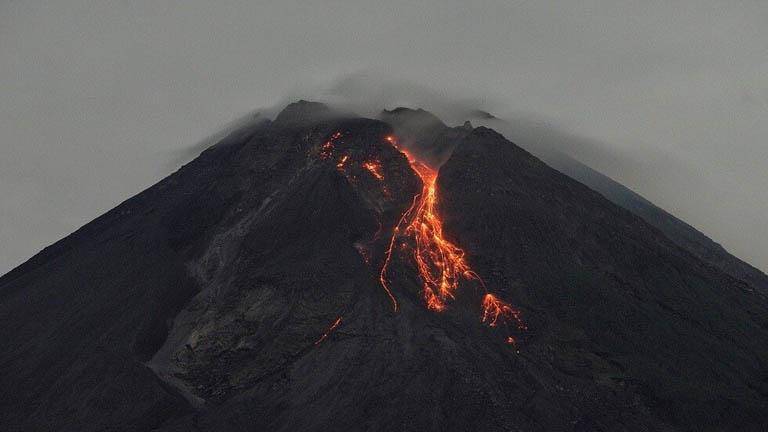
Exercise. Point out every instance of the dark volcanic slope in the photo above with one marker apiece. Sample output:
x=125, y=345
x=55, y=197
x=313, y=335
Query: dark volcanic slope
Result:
x=613, y=299
x=548, y=144
x=202, y=303
x=678, y=231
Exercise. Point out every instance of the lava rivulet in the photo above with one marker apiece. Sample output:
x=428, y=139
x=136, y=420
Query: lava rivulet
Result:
x=329, y=331
x=495, y=309
x=327, y=149
x=440, y=263
x=374, y=167
x=342, y=161
x=419, y=232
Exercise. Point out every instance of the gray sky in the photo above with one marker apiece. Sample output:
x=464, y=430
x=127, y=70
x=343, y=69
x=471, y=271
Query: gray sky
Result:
x=99, y=98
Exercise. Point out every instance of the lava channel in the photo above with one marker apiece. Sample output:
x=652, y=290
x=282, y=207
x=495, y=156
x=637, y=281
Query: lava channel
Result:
x=329, y=331
x=440, y=263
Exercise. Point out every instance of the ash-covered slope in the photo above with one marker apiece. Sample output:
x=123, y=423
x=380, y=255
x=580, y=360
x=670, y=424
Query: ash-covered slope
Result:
x=550, y=145
x=612, y=300
x=244, y=293
x=677, y=230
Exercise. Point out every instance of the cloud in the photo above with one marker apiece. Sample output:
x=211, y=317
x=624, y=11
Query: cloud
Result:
x=99, y=99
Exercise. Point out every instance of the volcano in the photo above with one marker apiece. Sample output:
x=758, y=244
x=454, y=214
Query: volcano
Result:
x=326, y=272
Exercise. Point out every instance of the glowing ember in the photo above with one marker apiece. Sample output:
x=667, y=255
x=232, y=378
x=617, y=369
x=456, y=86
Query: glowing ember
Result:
x=374, y=167
x=342, y=161
x=329, y=331
x=363, y=251
x=495, y=309
x=327, y=149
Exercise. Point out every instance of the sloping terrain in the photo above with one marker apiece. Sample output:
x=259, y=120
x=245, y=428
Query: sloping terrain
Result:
x=552, y=146
x=245, y=292
x=618, y=302
x=678, y=231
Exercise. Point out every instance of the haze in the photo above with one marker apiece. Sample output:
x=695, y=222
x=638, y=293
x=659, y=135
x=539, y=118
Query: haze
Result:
x=102, y=99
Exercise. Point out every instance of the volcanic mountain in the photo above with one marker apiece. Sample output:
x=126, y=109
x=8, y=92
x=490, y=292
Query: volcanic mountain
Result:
x=324, y=272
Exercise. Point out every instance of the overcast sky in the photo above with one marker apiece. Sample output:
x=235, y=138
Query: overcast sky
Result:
x=99, y=98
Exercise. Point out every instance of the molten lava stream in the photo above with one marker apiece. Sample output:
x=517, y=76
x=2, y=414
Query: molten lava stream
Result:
x=440, y=263
x=329, y=331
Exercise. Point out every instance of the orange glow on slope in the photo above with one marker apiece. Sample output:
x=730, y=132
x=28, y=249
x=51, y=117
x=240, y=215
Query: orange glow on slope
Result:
x=388, y=254
x=374, y=167
x=342, y=161
x=327, y=149
x=495, y=309
x=441, y=264
x=329, y=331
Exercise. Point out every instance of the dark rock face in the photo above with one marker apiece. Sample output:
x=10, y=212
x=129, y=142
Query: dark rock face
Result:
x=549, y=144
x=619, y=304
x=422, y=133
x=684, y=235
x=242, y=293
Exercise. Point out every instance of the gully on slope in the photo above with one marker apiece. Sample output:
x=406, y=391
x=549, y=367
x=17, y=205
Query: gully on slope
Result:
x=441, y=264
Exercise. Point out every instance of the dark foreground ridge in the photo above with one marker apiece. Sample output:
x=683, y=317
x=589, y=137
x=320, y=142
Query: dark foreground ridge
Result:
x=243, y=293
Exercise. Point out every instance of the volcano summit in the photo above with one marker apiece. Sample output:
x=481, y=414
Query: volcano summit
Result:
x=324, y=272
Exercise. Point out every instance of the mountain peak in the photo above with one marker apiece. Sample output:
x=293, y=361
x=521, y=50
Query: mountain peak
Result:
x=338, y=279
x=302, y=112
x=481, y=114
x=412, y=118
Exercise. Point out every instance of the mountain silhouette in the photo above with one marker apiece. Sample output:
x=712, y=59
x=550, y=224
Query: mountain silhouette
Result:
x=324, y=272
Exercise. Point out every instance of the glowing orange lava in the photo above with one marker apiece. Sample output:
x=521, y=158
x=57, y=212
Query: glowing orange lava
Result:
x=495, y=309
x=440, y=263
x=419, y=231
x=327, y=149
x=342, y=161
x=374, y=167
x=388, y=254
x=329, y=331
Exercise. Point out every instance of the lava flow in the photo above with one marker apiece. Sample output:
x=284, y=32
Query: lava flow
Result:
x=329, y=331
x=374, y=167
x=495, y=309
x=327, y=149
x=440, y=263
